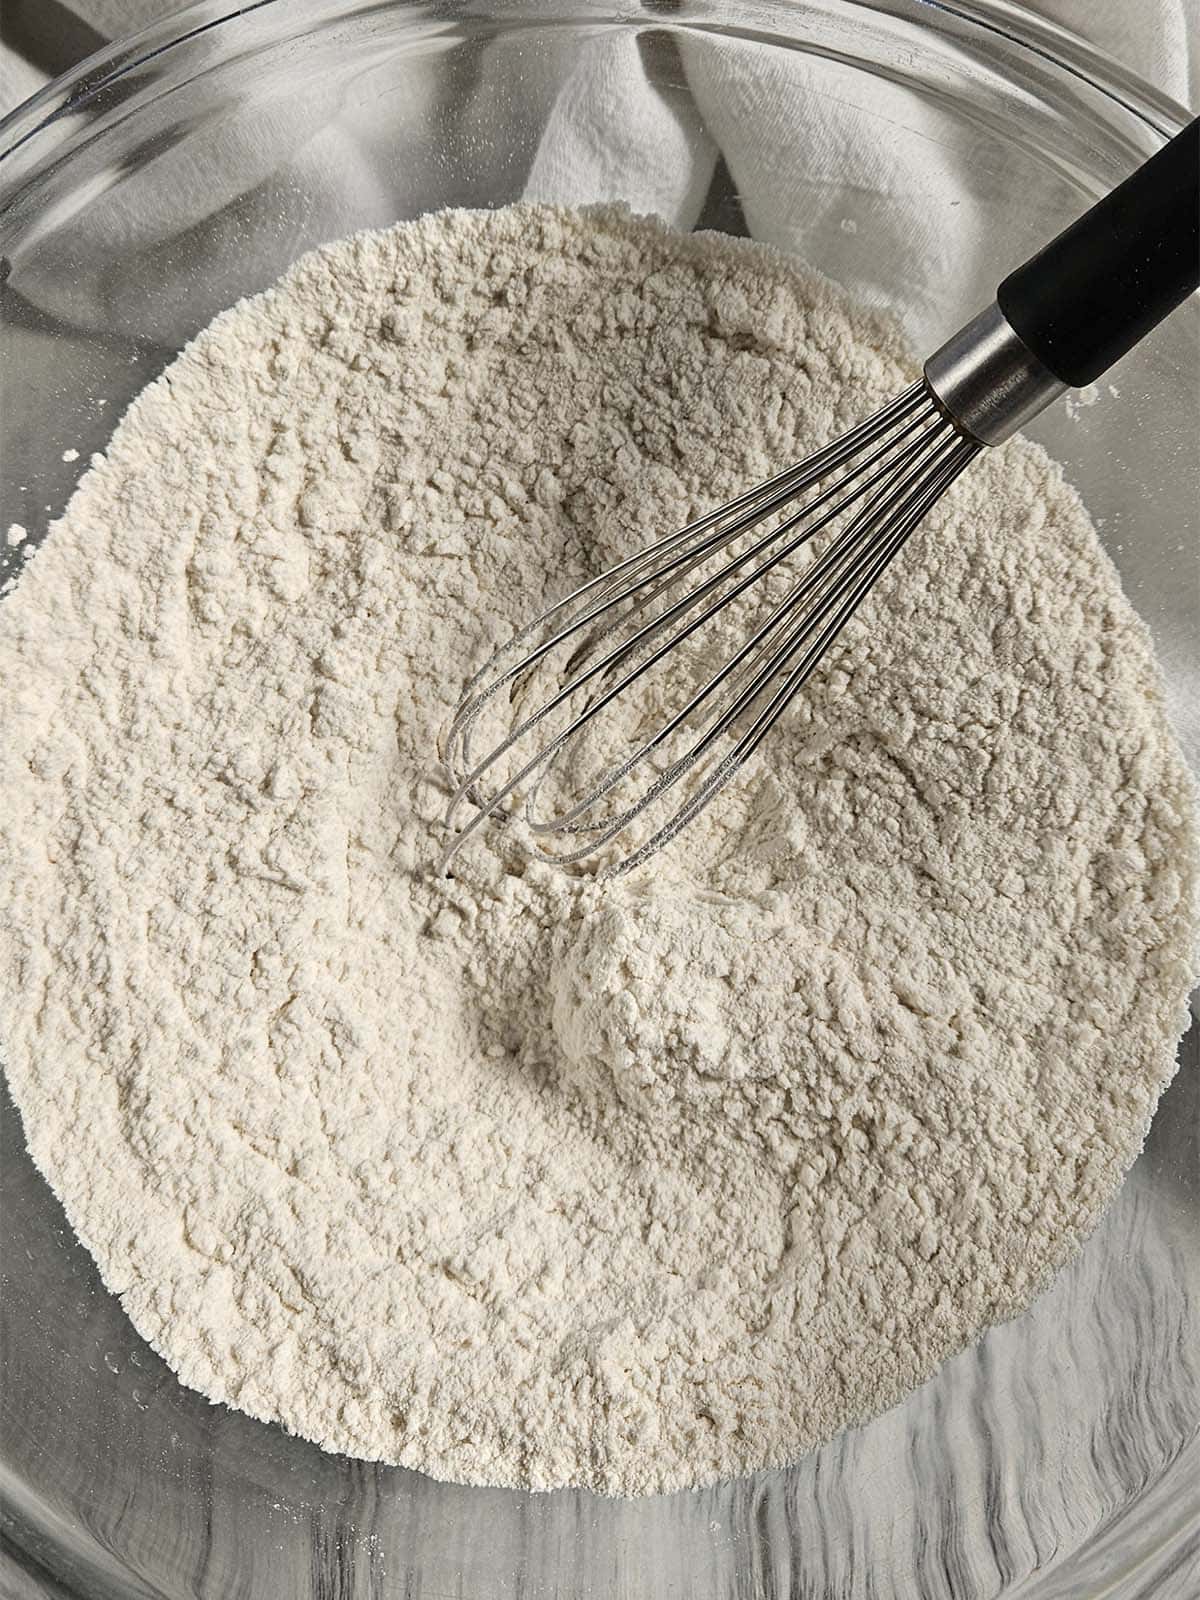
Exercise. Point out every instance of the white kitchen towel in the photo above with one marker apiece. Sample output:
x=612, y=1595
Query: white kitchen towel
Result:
x=593, y=121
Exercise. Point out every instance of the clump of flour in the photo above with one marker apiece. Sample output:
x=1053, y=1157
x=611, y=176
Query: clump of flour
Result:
x=522, y=1178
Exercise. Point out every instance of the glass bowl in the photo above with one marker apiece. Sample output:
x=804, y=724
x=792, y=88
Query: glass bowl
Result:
x=190, y=165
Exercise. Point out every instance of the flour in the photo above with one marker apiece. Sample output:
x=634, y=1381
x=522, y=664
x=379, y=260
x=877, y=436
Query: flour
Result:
x=522, y=1178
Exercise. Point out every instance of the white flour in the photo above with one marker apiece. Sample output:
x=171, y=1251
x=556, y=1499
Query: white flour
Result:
x=518, y=1178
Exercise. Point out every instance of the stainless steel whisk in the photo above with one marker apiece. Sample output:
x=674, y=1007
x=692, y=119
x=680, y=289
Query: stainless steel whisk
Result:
x=566, y=687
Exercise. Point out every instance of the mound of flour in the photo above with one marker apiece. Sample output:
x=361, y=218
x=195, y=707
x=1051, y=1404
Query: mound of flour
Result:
x=521, y=1178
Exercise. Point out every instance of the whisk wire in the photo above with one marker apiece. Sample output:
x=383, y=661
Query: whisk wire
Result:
x=664, y=579
x=682, y=566
x=850, y=590
x=758, y=502
x=886, y=474
x=467, y=787
x=749, y=742
x=739, y=666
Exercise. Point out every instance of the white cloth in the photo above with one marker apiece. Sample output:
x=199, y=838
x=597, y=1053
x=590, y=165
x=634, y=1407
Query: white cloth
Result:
x=590, y=125
x=592, y=122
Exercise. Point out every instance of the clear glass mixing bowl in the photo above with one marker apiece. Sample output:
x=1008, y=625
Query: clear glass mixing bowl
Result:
x=189, y=166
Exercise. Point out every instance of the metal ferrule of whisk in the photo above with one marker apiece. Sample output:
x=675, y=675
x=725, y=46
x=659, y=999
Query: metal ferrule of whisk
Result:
x=988, y=380
x=613, y=718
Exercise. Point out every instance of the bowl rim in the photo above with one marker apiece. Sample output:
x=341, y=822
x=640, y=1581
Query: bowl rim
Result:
x=1048, y=43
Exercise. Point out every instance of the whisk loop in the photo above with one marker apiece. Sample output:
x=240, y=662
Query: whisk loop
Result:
x=612, y=652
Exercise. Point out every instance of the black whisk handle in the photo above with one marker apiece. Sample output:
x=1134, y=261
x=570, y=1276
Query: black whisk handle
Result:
x=1105, y=281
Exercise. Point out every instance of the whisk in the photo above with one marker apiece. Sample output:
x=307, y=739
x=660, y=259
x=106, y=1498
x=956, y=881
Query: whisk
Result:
x=624, y=708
